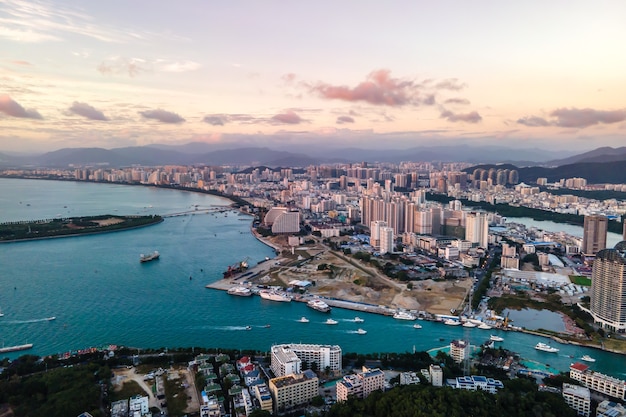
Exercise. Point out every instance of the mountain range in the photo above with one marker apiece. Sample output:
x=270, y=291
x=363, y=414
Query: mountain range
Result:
x=603, y=164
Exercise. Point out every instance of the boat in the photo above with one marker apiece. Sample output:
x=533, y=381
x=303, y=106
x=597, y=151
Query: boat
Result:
x=546, y=348
x=274, y=296
x=484, y=326
x=331, y=321
x=240, y=291
x=303, y=320
x=452, y=322
x=403, y=315
x=1, y=313
x=150, y=257
x=319, y=305
x=237, y=268
x=15, y=348
x=495, y=338
x=587, y=358
x=417, y=326
x=248, y=327
x=358, y=320
x=361, y=331
x=469, y=324
x=50, y=318
x=267, y=326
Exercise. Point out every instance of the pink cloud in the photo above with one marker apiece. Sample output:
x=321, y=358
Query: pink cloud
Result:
x=12, y=108
x=289, y=117
x=85, y=110
x=575, y=118
x=379, y=89
x=344, y=119
x=289, y=78
x=162, y=116
x=472, y=117
x=450, y=84
x=457, y=100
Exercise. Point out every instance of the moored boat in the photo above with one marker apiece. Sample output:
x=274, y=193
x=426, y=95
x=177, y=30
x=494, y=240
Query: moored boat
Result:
x=240, y=291
x=469, y=324
x=319, y=305
x=484, y=326
x=274, y=296
x=403, y=315
x=452, y=322
x=546, y=348
x=149, y=257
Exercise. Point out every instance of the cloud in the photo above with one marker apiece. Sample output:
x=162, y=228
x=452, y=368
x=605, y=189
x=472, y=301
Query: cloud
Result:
x=457, y=100
x=85, y=110
x=533, y=121
x=378, y=89
x=575, y=118
x=162, y=116
x=472, y=117
x=11, y=107
x=344, y=119
x=450, y=84
x=215, y=120
x=119, y=65
x=20, y=62
x=586, y=117
x=289, y=78
x=178, y=66
x=289, y=117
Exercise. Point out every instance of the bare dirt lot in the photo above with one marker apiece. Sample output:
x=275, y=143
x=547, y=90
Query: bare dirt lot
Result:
x=341, y=276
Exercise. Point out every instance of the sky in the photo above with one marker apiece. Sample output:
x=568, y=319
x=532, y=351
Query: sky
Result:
x=286, y=74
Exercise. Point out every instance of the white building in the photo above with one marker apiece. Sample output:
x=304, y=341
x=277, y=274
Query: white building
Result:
x=138, y=406
x=284, y=361
x=610, y=409
x=325, y=356
x=360, y=385
x=459, y=350
x=596, y=381
x=475, y=383
x=578, y=398
x=436, y=375
x=477, y=228
x=386, y=240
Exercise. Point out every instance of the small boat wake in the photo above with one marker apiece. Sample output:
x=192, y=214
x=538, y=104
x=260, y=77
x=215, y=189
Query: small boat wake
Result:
x=29, y=321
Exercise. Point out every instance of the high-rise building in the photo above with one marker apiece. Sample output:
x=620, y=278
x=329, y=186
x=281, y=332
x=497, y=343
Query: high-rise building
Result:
x=386, y=240
x=594, y=234
x=294, y=390
x=608, y=288
x=477, y=229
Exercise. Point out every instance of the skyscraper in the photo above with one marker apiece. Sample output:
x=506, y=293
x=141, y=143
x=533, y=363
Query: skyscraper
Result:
x=477, y=229
x=608, y=288
x=594, y=234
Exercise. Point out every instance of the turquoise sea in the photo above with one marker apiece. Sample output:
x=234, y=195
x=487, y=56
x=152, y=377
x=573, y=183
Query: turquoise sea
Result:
x=100, y=294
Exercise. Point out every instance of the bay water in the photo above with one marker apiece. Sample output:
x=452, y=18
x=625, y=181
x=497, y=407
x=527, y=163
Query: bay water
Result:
x=100, y=294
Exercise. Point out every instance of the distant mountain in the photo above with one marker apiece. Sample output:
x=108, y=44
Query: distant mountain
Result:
x=594, y=172
x=604, y=154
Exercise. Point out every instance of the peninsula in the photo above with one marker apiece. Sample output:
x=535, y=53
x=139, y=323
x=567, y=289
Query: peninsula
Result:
x=72, y=226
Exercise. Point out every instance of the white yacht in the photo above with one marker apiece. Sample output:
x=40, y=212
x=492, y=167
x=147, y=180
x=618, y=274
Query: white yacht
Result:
x=240, y=291
x=303, y=320
x=546, y=348
x=331, y=321
x=484, y=326
x=361, y=331
x=358, y=320
x=319, y=305
x=403, y=315
x=417, y=326
x=452, y=322
x=274, y=296
x=495, y=338
x=469, y=324
x=587, y=358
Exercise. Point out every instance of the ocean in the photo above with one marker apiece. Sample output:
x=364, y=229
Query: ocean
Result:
x=100, y=294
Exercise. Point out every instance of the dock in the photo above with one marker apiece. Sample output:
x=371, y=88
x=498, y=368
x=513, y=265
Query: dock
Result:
x=16, y=348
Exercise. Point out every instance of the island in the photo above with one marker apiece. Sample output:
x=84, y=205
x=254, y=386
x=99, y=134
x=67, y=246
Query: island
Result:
x=72, y=226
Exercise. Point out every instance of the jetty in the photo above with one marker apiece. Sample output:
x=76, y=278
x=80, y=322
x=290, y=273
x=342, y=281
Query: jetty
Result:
x=16, y=348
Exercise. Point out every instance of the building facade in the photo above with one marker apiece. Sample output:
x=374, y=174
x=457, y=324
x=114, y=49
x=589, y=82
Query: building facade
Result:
x=284, y=361
x=596, y=381
x=608, y=288
x=325, y=356
x=477, y=229
x=578, y=398
x=594, y=234
x=360, y=385
x=294, y=390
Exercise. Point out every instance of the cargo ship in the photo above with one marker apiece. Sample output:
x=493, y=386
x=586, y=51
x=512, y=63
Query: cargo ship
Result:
x=150, y=257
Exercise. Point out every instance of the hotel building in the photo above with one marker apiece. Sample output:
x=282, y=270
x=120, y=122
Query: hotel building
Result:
x=360, y=385
x=325, y=356
x=608, y=288
x=294, y=390
x=578, y=398
x=596, y=381
x=459, y=350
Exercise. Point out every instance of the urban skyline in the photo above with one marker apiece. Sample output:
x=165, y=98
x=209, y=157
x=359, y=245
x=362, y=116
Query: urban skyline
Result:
x=349, y=74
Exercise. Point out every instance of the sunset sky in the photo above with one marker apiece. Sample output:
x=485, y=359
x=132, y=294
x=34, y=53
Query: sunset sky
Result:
x=373, y=74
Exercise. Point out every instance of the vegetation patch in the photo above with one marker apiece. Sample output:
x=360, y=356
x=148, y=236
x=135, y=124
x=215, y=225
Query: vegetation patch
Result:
x=128, y=389
x=580, y=280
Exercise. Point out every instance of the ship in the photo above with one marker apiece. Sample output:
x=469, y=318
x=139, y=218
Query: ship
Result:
x=403, y=315
x=417, y=326
x=236, y=268
x=546, y=348
x=150, y=257
x=484, y=326
x=274, y=296
x=358, y=320
x=451, y=322
x=16, y=348
x=361, y=331
x=240, y=291
x=331, y=321
x=495, y=338
x=303, y=320
x=587, y=358
x=319, y=305
x=469, y=324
